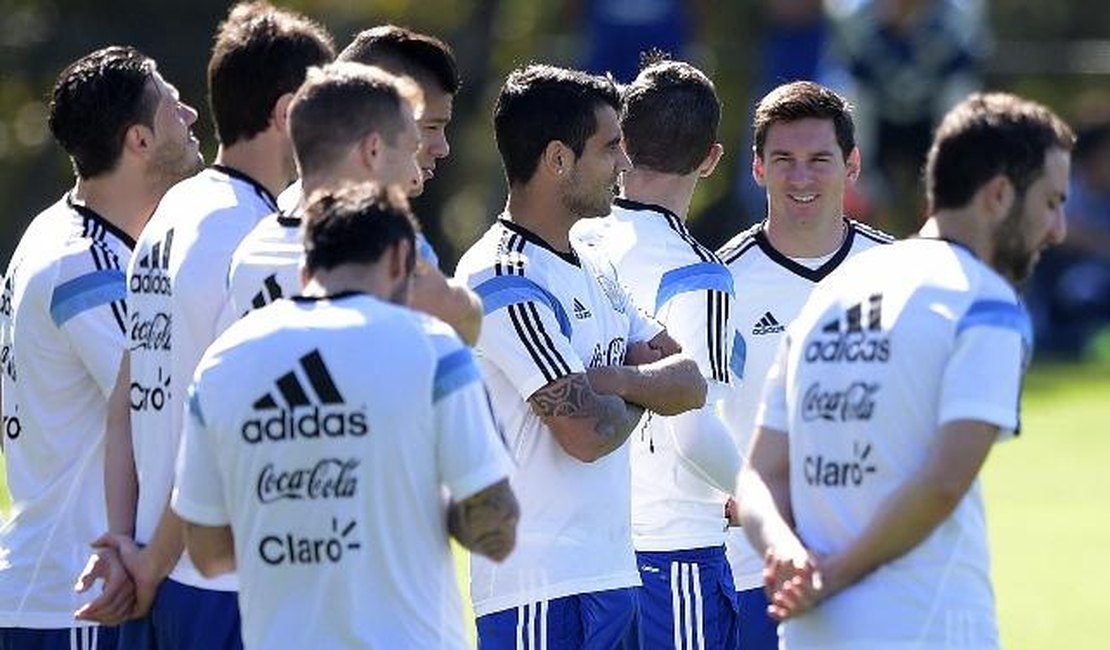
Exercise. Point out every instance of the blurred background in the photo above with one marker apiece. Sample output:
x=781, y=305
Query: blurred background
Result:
x=901, y=62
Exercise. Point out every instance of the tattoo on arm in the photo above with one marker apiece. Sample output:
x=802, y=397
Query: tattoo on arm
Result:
x=573, y=397
x=486, y=522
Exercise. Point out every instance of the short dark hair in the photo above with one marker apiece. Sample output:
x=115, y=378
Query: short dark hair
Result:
x=802, y=100
x=356, y=224
x=340, y=104
x=403, y=51
x=986, y=135
x=669, y=117
x=95, y=100
x=260, y=53
x=542, y=103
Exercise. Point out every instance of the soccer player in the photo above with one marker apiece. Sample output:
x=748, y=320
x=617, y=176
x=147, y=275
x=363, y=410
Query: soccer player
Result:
x=683, y=466
x=63, y=322
x=558, y=326
x=431, y=64
x=349, y=123
x=892, y=385
x=322, y=433
x=177, y=282
x=805, y=157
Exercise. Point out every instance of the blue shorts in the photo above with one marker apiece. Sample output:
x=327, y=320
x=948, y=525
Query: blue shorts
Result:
x=758, y=631
x=185, y=617
x=688, y=600
x=66, y=638
x=593, y=621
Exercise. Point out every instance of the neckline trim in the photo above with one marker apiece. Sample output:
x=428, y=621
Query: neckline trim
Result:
x=89, y=213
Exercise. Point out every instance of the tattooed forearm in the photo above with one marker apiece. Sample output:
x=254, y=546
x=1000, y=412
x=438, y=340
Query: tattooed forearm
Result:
x=601, y=423
x=486, y=522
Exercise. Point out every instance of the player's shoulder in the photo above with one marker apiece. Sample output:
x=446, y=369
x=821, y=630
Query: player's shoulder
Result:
x=501, y=252
x=214, y=192
x=87, y=243
x=656, y=224
x=740, y=244
x=869, y=235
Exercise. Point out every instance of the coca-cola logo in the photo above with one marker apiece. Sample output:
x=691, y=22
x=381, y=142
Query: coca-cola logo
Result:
x=854, y=403
x=329, y=478
x=153, y=334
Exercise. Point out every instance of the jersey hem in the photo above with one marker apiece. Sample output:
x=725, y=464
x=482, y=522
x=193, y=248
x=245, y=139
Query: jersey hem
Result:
x=558, y=590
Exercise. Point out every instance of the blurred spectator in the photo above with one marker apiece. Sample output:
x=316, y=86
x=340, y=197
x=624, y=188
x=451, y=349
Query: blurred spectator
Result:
x=618, y=31
x=795, y=35
x=1071, y=296
x=909, y=62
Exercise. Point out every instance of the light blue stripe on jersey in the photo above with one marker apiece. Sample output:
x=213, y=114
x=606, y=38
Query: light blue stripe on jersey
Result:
x=84, y=293
x=454, y=371
x=425, y=251
x=194, y=405
x=504, y=290
x=703, y=276
x=1000, y=314
x=739, y=356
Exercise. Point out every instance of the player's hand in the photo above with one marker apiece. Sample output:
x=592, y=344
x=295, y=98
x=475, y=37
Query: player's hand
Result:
x=117, y=596
x=641, y=353
x=140, y=566
x=793, y=582
x=732, y=512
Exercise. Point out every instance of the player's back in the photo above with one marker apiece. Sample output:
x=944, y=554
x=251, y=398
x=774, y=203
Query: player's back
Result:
x=178, y=296
x=266, y=264
x=686, y=288
x=325, y=422
x=62, y=328
x=888, y=349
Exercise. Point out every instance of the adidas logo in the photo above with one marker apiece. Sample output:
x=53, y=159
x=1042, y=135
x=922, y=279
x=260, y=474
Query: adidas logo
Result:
x=849, y=339
x=298, y=415
x=767, y=325
x=270, y=292
x=155, y=263
x=159, y=255
x=580, y=310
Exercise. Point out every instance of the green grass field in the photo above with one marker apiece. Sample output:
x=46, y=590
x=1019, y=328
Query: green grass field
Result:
x=1048, y=507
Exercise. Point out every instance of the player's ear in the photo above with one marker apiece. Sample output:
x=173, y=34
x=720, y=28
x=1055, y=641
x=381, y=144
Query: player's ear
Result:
x=369, y=150
x=759, y=172
x=853, y=164
x=279, y=114
x=705, y=170
x=556, y=158
x=138, y=138
x=996, y=197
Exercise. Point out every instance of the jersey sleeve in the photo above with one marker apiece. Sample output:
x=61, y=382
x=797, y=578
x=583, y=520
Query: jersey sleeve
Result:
x=694, y=303
x=470, y=452
x=88, y=307
x=982, y=380
x=525, y=333
x=198, y=494
x=772, y=412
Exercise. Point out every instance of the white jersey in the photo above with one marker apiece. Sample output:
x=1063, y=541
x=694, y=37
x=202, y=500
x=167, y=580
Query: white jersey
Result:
x=62, y=327
x=266, y=265
x=686, y=288
x=770, y=289
x=549, y=315
x=900, y=341
x=323, y=432
x=177, y=289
